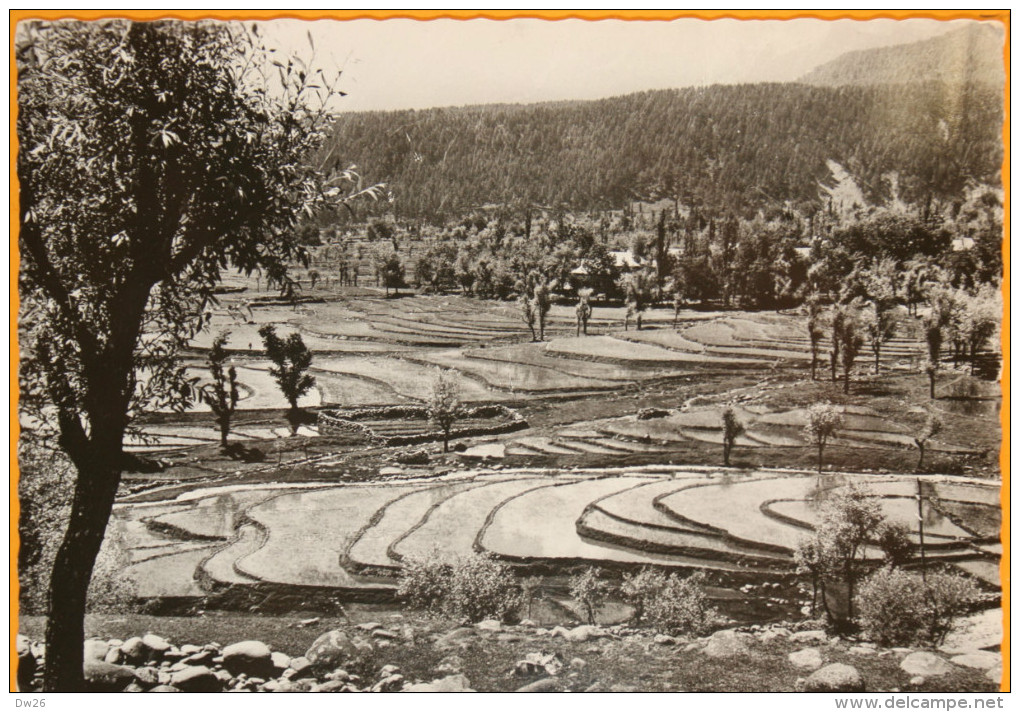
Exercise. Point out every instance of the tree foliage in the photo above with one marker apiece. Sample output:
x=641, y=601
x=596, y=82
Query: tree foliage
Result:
x=824, y=421
x=291, y=360
x=444, y=404
x=222, y=394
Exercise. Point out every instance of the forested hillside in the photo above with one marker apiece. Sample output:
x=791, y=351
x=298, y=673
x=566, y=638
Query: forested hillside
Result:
x=970, y=54
x=728, y=148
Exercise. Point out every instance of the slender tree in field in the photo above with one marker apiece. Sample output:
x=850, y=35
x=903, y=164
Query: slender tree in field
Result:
x=152, y=156
x=824, y=421
x=814, y=329
x=444, y=405
x=880, y=322
x=639, y=287
x=850, y=346
x=732, y=429
x=291, y=360
x=932, y=427
x=222, y=394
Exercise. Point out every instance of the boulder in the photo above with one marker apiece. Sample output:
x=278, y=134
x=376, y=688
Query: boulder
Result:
x=155, y=645
x=450, y=665
x=114, y=656
x=330, y=650
x=728, y=644
x=300, y=667
x=281, y=661
x=196, y=678
x=547, y=684
x=978, y=659
x=165, y=688
x=96, y=649
x=450, y=683
x=806, y=659
x=662, y=639
x=368, y=627
x=147, y=676
x=251, y=657
x=331, y=686
x=133, y=650
x=862, y=650
x=189, y=649
x=388, y=670
x=925, y=664
x=835, y=677
x=917, y=681
x=490, y=625
x=578, y=664
x=384, y=634
x=392, y=683
x=101, y=676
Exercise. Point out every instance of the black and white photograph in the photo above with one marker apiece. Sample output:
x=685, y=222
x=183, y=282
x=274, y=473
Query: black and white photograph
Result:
x=593, y=355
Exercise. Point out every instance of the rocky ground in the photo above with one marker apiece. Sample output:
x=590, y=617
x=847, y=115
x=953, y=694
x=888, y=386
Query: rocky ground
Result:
x=428, y=655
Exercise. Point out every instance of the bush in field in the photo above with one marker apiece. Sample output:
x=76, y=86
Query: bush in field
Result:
x=894, y=541
x=481, y=588
x=890, y=607
x=425, y=582
x=222, y=394
x=900, y=608
x=589, y=591
x=475, y=587
x=638, y=589
x=680, y=606
x=732, y=429
x=932, y=427
x=444, y=404
x=291, y=359
x=824, y=421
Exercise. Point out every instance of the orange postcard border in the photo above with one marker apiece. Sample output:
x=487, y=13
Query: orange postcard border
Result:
x=1002, y=16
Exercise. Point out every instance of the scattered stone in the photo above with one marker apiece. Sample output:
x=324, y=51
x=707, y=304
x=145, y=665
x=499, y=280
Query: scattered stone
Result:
x=223, y=676
x=114, y=656
x=728, y=644
x=809, y=636
x=103, y=677
x=806, y=659
x=368, y=627
x=450, y=665
x=456, y=638
x=835, y=677
x=251, y=657
x=330, y=650
x=926, y=664
x=582, y=633
x=383, y=634
x=197, y=678
x=281, y=661
x=388, y=670
x=509, y=638
x=539, y=664
x=578, y=664
x=299, y=667
x=165, y=688
x=189, y=649
x=979, y=660
x=389, y=684
x=917, y=681
x=202, y=657
x=450, y=683
x=528, y=623
x=862, y=650
x=664, y=639
x=331, y=686
x=308, y=622
x=547, y=684
x=490, y=625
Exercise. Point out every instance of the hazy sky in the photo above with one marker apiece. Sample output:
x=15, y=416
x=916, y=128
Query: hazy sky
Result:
x=400, y=64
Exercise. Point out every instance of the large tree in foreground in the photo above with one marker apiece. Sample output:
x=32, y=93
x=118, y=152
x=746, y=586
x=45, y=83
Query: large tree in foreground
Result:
x=151, y=157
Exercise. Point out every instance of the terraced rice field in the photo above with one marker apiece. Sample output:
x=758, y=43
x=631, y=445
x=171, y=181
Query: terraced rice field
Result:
x=336, y=536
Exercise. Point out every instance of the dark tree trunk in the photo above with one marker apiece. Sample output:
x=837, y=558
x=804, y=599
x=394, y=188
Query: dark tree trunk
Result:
x=846, y=380
x=820, y=448
x=833, y=358
x=726, y=454
x=878, y=353
x=224, y=432
x=72, y=570
x=931, y=385
x=814, y=361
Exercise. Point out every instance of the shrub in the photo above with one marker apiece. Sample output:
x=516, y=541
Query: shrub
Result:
x=900, y=608
x=475, y=587
x=481, y=588
x=638, y=589
x=111, y=588
x=425, y=582
x=681, y=606
x=894, y=541
x=890, y=606
x=589, y=591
